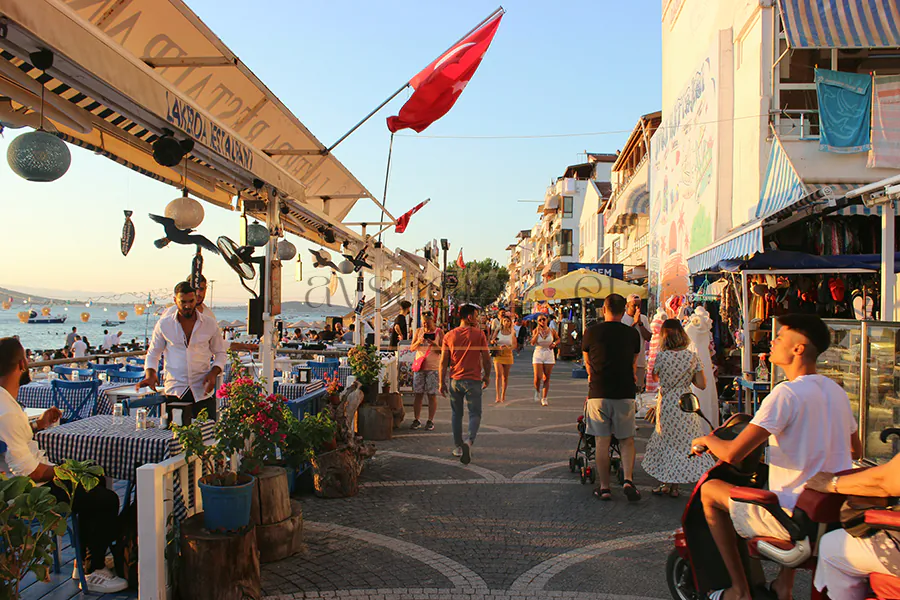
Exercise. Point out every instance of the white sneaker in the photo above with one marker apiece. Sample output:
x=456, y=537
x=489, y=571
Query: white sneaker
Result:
x=104, y=581
x=110, y=565
x=457, y=451
x=544, y=402
x=537, y=396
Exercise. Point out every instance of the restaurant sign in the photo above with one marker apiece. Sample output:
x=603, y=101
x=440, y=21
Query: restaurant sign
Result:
x=197, y=125
x=614, y=270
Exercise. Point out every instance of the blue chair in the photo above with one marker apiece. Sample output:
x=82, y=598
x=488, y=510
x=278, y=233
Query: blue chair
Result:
x=75, y=399
x=107, y=367
x=124, y=376
x=134, y=368
x=66, y=372
x=135, y=362
x=152, y=403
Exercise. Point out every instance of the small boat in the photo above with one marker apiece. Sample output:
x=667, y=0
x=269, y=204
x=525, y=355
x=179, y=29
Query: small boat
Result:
x=36, y=319
x=110, y=323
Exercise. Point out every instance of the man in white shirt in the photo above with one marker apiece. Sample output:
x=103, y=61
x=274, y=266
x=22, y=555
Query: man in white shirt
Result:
x=97, y=509
x=810, y=428
x=70, y=339
x=107, y=343
x=195, y=354
x=79, y=348
x=635, y=318
x=200, y=294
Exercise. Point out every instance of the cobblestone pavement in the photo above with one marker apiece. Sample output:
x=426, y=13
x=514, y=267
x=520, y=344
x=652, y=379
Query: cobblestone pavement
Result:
x=514, y=524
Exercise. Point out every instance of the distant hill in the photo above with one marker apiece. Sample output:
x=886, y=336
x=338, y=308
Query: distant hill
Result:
x=23, y=298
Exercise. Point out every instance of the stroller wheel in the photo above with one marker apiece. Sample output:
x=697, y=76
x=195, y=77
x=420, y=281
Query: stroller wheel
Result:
x=572, y=464
x=583, y=476
x=593, y=476
x=580, y=462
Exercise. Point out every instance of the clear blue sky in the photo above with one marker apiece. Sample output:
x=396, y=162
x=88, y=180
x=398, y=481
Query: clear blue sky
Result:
x=587, y=66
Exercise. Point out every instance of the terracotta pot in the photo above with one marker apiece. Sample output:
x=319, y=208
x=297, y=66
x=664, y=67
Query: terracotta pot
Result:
x=334, y=399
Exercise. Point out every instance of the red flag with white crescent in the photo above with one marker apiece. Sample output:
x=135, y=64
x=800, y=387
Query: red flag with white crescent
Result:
x=459, y=260
x=440, y=84
x=403, y=221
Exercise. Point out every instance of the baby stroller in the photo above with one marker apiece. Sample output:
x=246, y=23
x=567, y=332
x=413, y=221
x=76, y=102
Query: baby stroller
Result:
x=583, y=461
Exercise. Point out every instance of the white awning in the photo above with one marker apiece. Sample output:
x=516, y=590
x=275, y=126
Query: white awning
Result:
x=133, y=68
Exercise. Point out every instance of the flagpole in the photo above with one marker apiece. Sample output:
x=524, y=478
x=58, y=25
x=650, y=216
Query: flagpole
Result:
x=498, y=10
x=387, y=175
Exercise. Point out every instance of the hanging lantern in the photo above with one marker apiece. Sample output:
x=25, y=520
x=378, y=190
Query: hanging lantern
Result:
x=123, y=314
x=345, y=267
x=298, y=271
x=38, y=156
x=186, y=212
x=6, y=304
x=286, y=250
x=45, y=311
x=85, y=317
x=139, y=309
x=257, y=234
x=23, y=316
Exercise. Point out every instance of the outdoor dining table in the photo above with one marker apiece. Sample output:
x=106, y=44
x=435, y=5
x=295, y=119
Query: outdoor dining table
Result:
x=114, y=445
x=39, y=394
x=292, y=391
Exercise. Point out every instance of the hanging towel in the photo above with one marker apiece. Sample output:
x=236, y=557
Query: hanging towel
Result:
x=885, y=150
x=845, y=110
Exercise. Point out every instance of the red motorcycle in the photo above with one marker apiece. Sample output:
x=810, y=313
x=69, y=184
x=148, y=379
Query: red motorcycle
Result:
x=814, y=515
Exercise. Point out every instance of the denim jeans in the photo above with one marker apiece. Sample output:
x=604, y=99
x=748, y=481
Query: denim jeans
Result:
x=470, y=391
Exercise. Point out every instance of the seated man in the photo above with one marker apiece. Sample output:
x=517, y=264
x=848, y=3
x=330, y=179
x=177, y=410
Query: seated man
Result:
x=97, y=509
x=810, y=428
x=845, y=562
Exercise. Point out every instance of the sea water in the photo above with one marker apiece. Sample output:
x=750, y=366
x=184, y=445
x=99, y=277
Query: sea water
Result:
x=51, y=337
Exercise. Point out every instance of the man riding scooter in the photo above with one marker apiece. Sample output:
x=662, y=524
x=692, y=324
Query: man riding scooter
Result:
x=810, y=428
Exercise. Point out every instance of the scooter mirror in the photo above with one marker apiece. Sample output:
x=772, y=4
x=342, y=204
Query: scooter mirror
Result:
x=689, y=403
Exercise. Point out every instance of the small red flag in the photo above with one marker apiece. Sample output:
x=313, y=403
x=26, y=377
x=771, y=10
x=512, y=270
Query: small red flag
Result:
x=440, y=84
x=459, y=260
x=403, y=221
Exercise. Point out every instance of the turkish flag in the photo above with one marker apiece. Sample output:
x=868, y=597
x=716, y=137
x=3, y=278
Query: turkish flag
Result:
x=403, y=221
x=439, y=85
x=459, y=260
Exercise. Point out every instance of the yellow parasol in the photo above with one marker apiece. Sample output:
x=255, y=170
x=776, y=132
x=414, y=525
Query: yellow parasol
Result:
x=584, y=284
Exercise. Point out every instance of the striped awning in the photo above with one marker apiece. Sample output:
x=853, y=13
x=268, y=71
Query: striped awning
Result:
x=782, y=186
x=628, y=207
x=745, y=241
x=836, y=24
x=859, y=210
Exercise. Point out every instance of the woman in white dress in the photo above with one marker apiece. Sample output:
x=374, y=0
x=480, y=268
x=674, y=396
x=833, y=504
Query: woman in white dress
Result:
x=544, y=340
x=667, y=457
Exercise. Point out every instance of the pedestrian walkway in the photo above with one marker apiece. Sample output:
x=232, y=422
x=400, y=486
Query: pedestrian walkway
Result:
x=515, y=523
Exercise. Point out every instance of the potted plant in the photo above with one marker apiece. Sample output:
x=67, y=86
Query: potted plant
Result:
x=318, y=432
x=31, y=519
x=333, y=388
x=227, y=494
x=365, y=363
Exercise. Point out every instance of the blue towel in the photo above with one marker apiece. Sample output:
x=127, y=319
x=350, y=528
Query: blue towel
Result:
x=845, y=111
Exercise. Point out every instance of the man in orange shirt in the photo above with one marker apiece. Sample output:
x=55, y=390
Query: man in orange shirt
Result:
x=465, y=357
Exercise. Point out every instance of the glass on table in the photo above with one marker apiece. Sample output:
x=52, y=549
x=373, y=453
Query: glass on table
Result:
x=118, y=414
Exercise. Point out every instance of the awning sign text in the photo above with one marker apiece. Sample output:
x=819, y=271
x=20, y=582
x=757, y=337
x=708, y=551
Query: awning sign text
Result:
x=188, y=119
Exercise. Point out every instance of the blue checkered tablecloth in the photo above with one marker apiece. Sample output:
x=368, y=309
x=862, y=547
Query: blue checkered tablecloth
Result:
x=292, y=391
x=317, y=370
x=119, y=448
x=39, y=394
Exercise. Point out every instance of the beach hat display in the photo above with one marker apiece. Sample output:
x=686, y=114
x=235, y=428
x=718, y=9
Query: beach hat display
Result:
x=23, y=316
x=123, y=314
x=45, y=311
x=139, y=309
x=6, y=304
x=85, y=317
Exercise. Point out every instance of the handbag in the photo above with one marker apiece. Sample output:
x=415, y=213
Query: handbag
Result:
x=420, y=361
x=853, y=514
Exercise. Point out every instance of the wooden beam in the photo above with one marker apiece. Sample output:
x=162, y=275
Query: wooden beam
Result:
x=188, y=61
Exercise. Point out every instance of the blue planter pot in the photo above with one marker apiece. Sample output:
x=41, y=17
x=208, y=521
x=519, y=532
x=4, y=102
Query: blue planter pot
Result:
x=227, y=508
x=291, y=479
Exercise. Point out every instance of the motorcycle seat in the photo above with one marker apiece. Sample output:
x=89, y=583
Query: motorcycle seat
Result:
x=885, y=587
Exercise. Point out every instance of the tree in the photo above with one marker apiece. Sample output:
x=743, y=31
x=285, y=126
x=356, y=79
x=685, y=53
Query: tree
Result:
x=481, y=282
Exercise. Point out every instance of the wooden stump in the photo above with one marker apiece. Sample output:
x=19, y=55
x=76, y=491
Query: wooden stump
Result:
x=281, y=540
x=218, y=566
x=271, y=497
x=375, y=422
x=336, y=474
x=394, y=401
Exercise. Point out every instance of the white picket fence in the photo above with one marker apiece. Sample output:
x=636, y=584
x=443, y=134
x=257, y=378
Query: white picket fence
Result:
x=156, y=501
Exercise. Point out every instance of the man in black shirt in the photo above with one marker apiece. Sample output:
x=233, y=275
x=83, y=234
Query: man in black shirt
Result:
x=610, y=356
x=400, y=330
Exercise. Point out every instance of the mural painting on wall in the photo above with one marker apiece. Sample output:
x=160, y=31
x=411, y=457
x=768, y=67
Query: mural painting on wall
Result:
x=682, y=181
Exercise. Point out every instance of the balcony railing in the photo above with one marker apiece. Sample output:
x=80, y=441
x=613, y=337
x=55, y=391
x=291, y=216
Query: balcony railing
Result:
x=797, y=124
x=635, y=255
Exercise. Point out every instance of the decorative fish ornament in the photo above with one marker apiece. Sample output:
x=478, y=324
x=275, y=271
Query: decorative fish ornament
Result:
x=333, y=284
x=127, y=234
x=196, y=269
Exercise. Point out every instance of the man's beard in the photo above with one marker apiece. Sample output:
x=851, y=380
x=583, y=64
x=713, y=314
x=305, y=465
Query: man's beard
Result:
x=187, y=313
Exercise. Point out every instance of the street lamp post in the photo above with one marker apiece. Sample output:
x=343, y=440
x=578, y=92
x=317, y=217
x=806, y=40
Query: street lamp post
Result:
x=445, y=246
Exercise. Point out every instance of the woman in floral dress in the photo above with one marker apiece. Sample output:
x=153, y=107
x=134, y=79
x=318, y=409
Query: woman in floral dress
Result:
x=667, y=456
